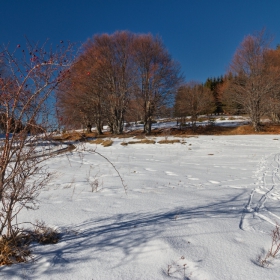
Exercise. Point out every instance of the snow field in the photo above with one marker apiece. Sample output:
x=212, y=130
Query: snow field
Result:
x=208, y=206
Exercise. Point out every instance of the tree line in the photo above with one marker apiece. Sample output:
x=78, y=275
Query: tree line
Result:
x=124, y=77
x=251, y=86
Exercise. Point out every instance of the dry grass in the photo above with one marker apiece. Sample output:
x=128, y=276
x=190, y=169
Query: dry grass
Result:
x=14, y=249
x=74, y=136
x=265, y=129
x=222, y=130
x=140, y=136
x=124, y=144
x=143, y=141
x=174, y=131
x=96, y=141
x=44, y=234
x=104, y=142
x=107, y=143
x=166, y=141
x=274, y=250
x=121, y=136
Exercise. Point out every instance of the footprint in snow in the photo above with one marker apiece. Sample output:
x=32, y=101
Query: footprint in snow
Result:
x=214, y=182
x=170, y=173
x=150, y=169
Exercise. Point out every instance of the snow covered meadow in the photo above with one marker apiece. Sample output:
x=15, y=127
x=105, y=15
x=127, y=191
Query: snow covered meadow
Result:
x=200, y=209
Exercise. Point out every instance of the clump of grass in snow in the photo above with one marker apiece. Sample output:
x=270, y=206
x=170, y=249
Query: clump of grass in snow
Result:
x=143, y=141
x=166, y=141
x=44, y=234
x=124, y=144
x=274, y=250
x=97, y=141
x=105, y=143
x=15, y=249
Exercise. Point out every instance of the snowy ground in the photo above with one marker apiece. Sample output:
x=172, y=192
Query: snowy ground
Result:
x=208, y=206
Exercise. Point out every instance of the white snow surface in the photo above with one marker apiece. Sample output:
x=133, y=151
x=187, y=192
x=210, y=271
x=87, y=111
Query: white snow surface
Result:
x=199, y=210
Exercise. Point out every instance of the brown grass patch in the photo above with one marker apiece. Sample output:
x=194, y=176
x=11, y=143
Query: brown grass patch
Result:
x=14, y=249
x=265, y=129
x=143, y=141
x=124, y=144
x=107, y=143
x=104, y=142
x=139, y=136
x=222, y=130
x=96, y=141
x=166, y=141
x=121, y=136
x=44, y=234
x=175, y=131
x=74, y=136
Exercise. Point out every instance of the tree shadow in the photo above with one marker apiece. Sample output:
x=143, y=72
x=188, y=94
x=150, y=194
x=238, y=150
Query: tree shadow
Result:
x=88, y=240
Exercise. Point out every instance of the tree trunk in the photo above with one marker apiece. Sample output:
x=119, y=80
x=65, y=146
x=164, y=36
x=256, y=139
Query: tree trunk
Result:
x=89, y=128
x=148, y=126
x=99, y=129
x=256, y=125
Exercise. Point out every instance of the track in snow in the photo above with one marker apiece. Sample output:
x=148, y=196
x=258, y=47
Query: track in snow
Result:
x=264, y=198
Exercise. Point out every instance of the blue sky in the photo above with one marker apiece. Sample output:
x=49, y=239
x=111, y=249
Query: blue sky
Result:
x=202, y=35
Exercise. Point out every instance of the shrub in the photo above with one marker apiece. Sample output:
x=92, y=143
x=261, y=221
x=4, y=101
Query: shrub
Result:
x=14, y=249
x=274, y=249
x=44, y=234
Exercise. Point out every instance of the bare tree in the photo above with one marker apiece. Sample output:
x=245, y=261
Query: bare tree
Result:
x=101, y=81
x=255, y=80
x=80, y=100
x=32, y=74
x=194, y=99
x=157, y=77
x=273, y=61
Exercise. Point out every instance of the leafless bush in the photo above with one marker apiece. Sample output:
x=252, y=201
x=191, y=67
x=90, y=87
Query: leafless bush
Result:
x=178, y=268
x=14, y=249
x=274, y=249
x=44, y=234
x=94, y=181
x=31, y=74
